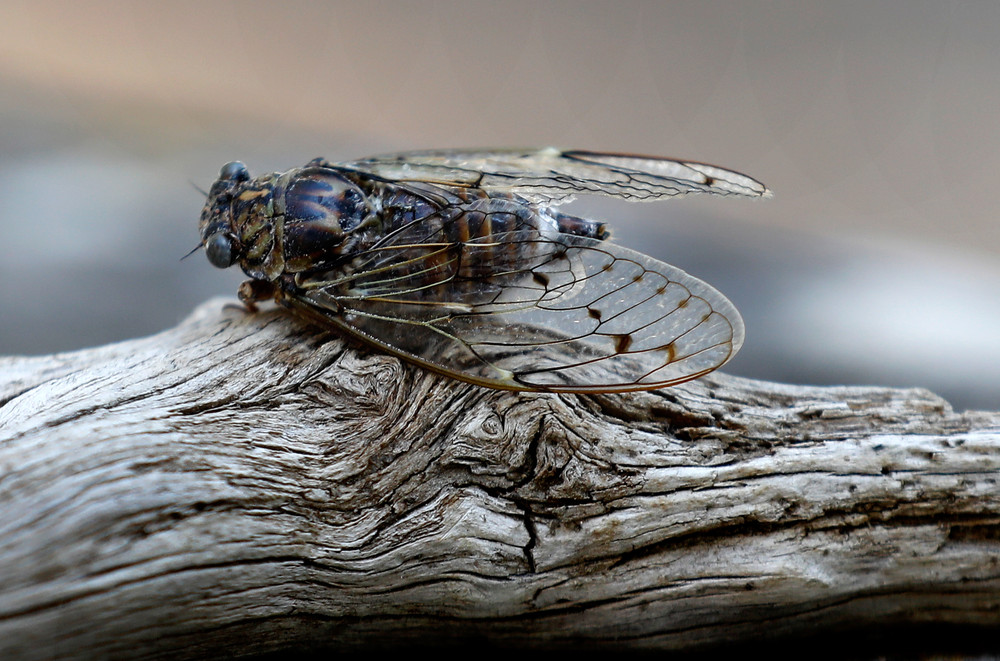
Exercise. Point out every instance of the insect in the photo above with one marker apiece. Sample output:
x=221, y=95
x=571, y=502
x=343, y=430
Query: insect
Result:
x=461, y=262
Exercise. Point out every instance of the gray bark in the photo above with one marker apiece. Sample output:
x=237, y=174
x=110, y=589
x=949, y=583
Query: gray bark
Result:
x=246, y=483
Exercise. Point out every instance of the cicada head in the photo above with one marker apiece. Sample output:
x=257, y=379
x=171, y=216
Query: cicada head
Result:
x=219, y=235
x=280, y=223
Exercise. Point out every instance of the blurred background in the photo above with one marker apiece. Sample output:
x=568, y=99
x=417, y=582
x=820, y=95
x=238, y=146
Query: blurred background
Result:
x=876, y=125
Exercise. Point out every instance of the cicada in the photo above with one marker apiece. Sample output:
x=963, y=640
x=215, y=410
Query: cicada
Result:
x=461, y=262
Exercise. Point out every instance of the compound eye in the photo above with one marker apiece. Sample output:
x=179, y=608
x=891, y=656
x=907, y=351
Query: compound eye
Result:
x=219, y=249
x=234, y=171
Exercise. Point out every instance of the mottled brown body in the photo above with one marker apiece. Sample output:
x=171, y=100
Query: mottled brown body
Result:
x=318, y=224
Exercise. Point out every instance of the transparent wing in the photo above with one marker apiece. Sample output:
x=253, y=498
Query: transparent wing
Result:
x=529, y=309
x=551, y=176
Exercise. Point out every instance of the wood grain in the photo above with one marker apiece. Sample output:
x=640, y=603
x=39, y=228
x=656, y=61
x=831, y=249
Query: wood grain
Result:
x=245, y=483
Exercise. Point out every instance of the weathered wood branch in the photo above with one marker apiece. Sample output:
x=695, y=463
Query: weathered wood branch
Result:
x=246, y=483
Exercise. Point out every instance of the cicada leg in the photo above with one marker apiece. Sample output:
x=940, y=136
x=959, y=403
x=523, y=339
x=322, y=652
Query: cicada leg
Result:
x=252, y=291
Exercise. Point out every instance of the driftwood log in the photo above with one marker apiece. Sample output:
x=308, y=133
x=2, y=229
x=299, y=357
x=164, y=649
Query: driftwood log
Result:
x=246, y=483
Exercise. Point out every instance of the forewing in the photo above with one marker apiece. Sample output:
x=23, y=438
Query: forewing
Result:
x=551, y=176
x=528, y=309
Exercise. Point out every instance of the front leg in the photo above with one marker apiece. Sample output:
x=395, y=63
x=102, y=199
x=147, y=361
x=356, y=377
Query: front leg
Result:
x=252, y=291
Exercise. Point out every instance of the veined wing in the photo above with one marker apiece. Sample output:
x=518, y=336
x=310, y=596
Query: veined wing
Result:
x=551, y=176
x=527, y=309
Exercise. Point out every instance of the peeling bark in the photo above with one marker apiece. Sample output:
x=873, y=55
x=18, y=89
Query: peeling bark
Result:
x=245, y=483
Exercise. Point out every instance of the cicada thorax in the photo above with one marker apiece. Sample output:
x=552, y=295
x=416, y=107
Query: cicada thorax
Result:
x=322, y=213
x=296, y=222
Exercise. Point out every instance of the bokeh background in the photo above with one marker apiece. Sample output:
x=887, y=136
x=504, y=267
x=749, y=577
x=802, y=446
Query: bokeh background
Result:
x=876, y=125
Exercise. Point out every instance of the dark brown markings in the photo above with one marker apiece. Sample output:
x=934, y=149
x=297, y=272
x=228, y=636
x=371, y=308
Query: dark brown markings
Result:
x=622, y=342
x=594, y=313
x=540, y=278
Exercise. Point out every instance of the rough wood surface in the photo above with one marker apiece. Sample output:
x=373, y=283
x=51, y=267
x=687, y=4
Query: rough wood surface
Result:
x=246, y=483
